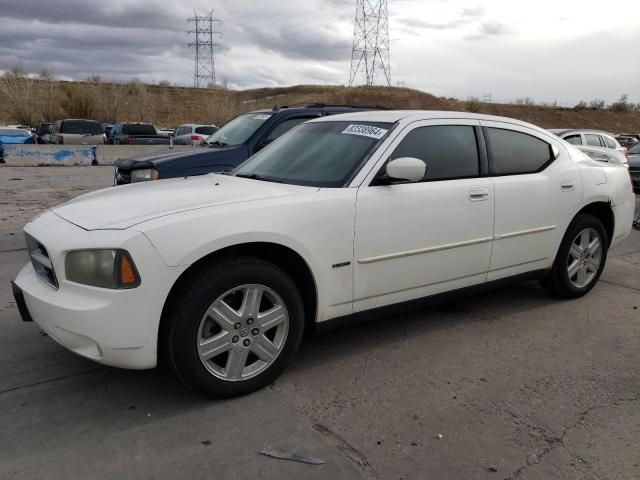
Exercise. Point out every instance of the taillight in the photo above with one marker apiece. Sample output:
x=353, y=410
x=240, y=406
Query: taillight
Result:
x=60, y=140
x=129, y=141
x=104, y=139
x=196, y=138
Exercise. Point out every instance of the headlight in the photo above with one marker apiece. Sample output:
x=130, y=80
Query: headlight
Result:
x=144, y=175
x=102, y=268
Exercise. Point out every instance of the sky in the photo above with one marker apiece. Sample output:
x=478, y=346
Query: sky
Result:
x=548, y=50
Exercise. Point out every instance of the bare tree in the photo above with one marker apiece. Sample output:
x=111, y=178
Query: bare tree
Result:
x=17, y=91
x=49, y=97
x=138, y=91
x=78, y=101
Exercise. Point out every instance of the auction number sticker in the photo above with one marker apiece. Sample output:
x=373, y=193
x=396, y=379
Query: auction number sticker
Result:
x=365, y=131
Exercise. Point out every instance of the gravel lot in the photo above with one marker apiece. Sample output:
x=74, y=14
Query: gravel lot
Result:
x=510, y=384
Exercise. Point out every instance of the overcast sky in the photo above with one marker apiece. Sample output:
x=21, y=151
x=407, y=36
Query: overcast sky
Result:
x=564, y=50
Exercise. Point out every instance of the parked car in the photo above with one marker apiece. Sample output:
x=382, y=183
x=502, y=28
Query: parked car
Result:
x=43, y=132
x=137, y=134
x=192, y=134
x=626, y=140
x=165, y=132
x=13, y=136
x=227, y=148
x=73, y=131
x=592, y=138
x=634, y=166
x=223, y=274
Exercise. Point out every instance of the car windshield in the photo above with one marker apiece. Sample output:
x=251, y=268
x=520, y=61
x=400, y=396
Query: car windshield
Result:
x=320, y=154
x=81, y=127
x=238, y=130
x=14, y=132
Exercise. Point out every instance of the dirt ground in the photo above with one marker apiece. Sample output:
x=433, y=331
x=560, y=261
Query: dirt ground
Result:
x=508, y=384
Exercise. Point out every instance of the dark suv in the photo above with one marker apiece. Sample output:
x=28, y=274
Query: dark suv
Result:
x=227, y=148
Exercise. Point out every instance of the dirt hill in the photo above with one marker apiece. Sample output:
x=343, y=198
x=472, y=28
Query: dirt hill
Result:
x=169, y=106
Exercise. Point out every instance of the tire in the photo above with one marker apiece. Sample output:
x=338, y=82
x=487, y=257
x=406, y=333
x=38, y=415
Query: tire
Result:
x=214, y=343
x=575, y=271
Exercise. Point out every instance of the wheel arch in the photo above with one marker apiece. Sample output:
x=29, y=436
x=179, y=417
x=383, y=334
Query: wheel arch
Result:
x=282, y=256
x=603, y=211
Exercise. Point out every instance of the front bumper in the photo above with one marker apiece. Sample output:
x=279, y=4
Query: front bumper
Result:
x=113, y=327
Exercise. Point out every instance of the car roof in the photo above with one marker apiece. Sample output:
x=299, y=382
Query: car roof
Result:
x=316, y=108
x=562, y=131
x=393, y=116
x=196, y=125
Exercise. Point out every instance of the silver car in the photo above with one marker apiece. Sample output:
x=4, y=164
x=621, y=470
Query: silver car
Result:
x=591, y=138
x=192, y=134
x=634, y=166
x=77, y=132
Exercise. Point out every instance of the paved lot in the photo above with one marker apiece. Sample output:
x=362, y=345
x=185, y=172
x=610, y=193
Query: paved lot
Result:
x=504, y=385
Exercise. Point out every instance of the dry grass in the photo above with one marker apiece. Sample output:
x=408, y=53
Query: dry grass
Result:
x=170, y=106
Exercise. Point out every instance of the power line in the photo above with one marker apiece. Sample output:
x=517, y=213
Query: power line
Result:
x=204, y=63
x=370, y=58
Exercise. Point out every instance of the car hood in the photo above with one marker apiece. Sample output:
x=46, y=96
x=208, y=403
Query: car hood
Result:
x=157, y=159
x=123, y=207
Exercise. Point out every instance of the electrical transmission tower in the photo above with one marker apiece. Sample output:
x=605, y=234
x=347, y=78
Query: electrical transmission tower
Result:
x=370, y=59
x=205, y=28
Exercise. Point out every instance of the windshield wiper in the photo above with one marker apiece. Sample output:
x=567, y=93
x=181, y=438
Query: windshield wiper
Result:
x=219, y=144
x=255, y=176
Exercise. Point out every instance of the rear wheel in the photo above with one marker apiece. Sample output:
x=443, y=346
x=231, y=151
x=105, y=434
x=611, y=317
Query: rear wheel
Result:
x=235, y=327
x=580, y=259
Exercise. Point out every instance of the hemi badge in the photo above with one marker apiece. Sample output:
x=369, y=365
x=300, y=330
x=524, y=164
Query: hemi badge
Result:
x=343, y=264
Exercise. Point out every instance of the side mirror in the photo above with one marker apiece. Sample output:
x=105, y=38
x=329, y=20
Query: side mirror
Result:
x=406, y=169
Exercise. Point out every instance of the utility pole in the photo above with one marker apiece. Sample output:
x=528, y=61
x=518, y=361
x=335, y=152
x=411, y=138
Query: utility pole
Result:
x=205, y=28
x=370, y=58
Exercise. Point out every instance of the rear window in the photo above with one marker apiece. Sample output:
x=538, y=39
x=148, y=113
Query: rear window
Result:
x=205, y=130
x=44, y=128
x=139, y=129
x=515, y=152
x=81, y=127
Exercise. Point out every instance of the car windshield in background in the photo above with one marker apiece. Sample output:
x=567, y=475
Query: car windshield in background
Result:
x=81, y=127
x=321, y=154
x=634, y=149
x=205, y=130
x=142, y=129
x=238, y=130
x=14, y=132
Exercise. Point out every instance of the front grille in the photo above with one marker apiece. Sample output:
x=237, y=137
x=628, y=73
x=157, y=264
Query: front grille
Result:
x=122, y=177
x=41, y=261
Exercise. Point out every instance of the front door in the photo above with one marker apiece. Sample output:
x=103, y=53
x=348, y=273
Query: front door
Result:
x=418, y=239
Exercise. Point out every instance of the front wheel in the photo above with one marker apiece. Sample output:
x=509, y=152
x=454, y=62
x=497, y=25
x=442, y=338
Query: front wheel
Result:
x=234, y=327
x=580, y=259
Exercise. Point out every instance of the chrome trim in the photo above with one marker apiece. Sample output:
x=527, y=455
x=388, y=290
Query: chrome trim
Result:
x=524, y=232
x=420, y=251
x=449, y=246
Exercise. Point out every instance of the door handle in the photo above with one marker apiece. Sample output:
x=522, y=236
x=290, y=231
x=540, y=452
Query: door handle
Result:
x=478, y=194
x=567, y=186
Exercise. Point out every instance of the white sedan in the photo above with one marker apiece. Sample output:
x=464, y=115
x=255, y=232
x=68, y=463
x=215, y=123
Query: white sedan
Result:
x=222, y=274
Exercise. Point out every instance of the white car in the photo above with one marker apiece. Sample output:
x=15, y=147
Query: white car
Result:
x=192, y=134
x=591, y=138
x=222, y=274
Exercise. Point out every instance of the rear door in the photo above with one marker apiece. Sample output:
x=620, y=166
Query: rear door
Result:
x=536, y=195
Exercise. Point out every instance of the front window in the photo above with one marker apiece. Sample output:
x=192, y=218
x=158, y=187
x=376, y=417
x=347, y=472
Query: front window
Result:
x=238, y=130
x=320, y=154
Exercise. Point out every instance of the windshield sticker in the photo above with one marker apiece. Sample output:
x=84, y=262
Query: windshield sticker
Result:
x=262, y=117
x=365, y=131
